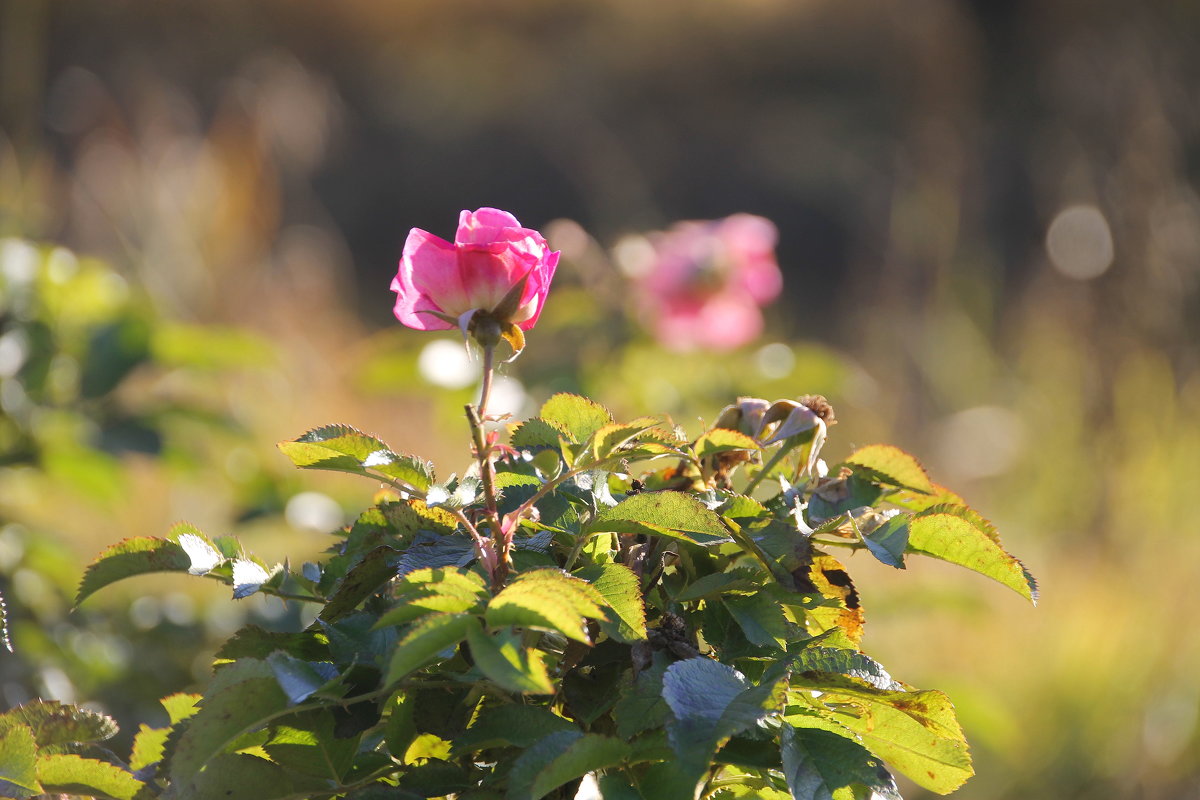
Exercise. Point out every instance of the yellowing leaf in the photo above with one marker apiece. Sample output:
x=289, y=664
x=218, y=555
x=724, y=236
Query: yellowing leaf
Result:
x=955, y=539
x=893, y=466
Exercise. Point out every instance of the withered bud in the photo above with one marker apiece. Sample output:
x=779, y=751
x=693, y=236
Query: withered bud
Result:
x=817, y=404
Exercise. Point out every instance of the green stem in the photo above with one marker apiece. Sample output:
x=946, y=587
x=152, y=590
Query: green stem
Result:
x=766, y=470
x=485, y=391
x=839, y=543
x=483, y=455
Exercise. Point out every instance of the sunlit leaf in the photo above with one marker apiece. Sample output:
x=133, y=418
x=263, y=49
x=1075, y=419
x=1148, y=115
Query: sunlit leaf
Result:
x=506, y=661
x=18, y=762
x=846, y=662
x=952, y=538
x=625, y=615
x=307, y=743
x=578, y=416
x=548, y=599
x=609, y=439
x=917, y=733
x=655, y=512
x=72, y=774
x=5, y=641
x=248, y=577
x=560, y=757
x=342, y=448
x=537, y=433
x=136, y=556
x=430, y=590
x=430, y=636
x=243, y=696
x=723, y=440
x=203, y=555
x=893, y=466
x=831, y=580
x=55, y=724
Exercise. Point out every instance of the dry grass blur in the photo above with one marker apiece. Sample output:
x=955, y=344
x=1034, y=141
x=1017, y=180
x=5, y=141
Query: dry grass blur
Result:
x=988, y=214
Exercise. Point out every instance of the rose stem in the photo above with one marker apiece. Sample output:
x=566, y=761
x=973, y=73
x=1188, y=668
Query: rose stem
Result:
x=475, y=417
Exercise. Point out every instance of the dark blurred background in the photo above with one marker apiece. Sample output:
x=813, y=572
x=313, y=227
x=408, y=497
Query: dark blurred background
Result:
x=989, y=230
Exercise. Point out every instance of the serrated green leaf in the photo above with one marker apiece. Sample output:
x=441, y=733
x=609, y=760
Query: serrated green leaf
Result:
x=640, y=705
x=242, y=697
x=917, y=733
x=181, y=706
x=819, y=765
x=951, y=538
x=55, y=725
x=149, y=744
x=722, y=440
x=433, y=589
x=407, y=469
x=710, y=702
x=307, y=743
x=537, y=433
x=425, y=640
x=200, y=550
x=5, y=641
x=252, y=641
x=659, y=513
x=333, y=447
x=889, y=541
x=548, y=599
x=625, y=615
x=846, y=662
x=505, y=661
x=609, y=439
x=510, y=725
x=375, y=569
x=893, y=466
x=560, y=757
x=72, y=774
x=18, y=762
x=736, y=581
x=341, y=448
x=760, y=618
x=578, y=416
x=136, y=556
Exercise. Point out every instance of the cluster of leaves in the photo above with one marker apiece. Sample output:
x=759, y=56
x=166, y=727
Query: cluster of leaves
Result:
x=658, y=629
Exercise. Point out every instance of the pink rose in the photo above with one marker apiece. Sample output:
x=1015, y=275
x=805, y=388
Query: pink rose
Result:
x=494, y=265
x=706, y=282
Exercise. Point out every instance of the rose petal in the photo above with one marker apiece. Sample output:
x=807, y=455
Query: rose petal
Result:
x=427, y=280
x=485, y=225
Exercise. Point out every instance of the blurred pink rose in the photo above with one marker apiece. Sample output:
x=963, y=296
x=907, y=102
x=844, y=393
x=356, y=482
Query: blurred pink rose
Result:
x=706, y=282
x=493, y=265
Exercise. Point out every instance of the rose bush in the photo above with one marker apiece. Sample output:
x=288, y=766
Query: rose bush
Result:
x=494, y=265
x=592, y=597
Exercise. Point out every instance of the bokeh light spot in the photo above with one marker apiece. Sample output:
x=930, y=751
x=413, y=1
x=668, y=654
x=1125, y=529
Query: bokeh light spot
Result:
x=1080, y=242
x=447, y=364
